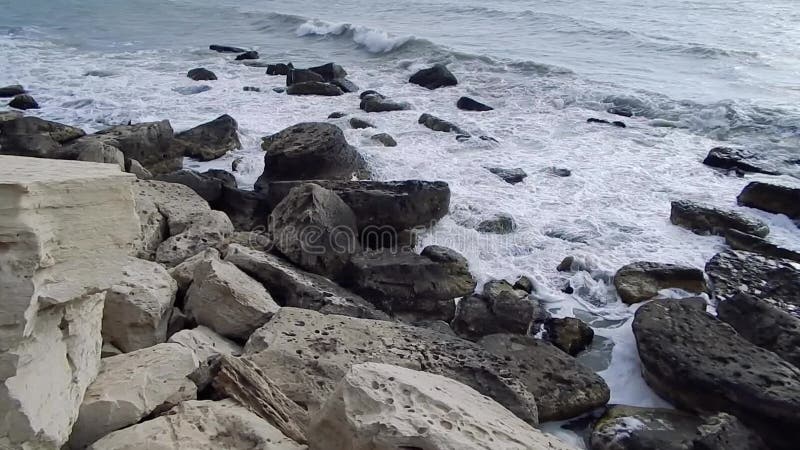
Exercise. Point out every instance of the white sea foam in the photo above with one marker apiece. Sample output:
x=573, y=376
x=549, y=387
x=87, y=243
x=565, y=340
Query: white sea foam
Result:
x=374, y=41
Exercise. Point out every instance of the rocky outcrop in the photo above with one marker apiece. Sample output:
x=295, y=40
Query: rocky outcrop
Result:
x=764, y=325
x=374, y=102
x=437, y=413
x=131, y=386
x=201, y=74
x=499, y=309
x=210, y=140
x=314, y=88
x=225, y=299
x=32, y=136
x=148, y=143
x=733, y=159
x=641, y=281
x=700, y=363
x=510, y=176
x=384, y=138
x=771, y=198
x=421, y=286
x=315, y=229
x=468, y=104
x=434, y=77
x=562, y=387
x=307, y=353
x=66, y=228
x=311, y=151
x=296, y=76
x=11, y=90
x=569, y=334
x=291, y=286
x=775, y=281
x=755, y=244
x=706, y=220
x=23, y=102
x=437, y=124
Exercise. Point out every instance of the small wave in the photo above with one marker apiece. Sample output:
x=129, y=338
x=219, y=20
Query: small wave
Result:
x=374, y=41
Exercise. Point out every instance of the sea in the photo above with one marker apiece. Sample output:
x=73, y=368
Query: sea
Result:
x=696, y=73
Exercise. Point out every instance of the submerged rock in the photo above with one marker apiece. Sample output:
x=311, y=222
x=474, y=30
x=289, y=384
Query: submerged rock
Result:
x=771, y=198
x=434, y=77
x=437, y=124
x=569, y=334
x=384, y=138
x=23, y=101
x=755, y=244
x=371, y=102
x=703, y=219
x=510, y=176
x=606, y=122
x=468, y=104
x=358, y=124
x=500, y=224
x=252, y=54
x=201, y=74
x=314, y=88
x=620, y=111
x=641, y=281
x=11, y=91
x=226, y=49
x=732, y=159
x=210, y=140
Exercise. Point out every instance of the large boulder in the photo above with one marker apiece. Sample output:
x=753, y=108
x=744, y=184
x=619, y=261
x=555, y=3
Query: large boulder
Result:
x=201, y=74
x=700, y=363
x=500, y=309
x=775, y=281
x=755, y=244
x=60, y=252
x=311, y=151
x=562, y=387
x=296, y=76
x=11, y=90
x=183, y=273
x=733, y=159
x=132, y=386
x=148, y=143
x=225, y=299
x=374, y=102
x=250, y=54
x=32, y=136
x=314, y=88
x=570, y=334
x=96, y=151
x=434, y=77
x=208, y=185
x=315, y=229
x=248, y=210
x=706, y=220
x=640, y=281
x=23, y=102
x=329, y=71
x=771, y=198
x=210, y=140
x=307, y=353
x=422, y=286
x=468, y=104
x=279, y=69
x=437, y=413
x=139, y=306
x=292, y=286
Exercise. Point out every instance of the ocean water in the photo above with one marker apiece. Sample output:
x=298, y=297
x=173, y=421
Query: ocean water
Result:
x=699, y=74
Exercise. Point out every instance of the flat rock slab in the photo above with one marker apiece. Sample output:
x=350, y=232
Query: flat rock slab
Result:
x=703, y=219
x=642, y=280
x=771, y=198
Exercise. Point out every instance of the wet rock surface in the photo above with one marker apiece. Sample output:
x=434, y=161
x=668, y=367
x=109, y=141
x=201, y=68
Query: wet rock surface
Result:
x=702, y=219
x=641, y=281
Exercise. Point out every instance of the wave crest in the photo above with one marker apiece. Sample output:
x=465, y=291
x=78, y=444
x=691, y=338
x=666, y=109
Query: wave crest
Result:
x=374, y=41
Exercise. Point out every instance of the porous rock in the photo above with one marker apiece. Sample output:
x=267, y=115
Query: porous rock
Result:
x=642, y=280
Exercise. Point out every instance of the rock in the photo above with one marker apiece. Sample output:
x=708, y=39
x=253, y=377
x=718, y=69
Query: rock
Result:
x=771, y=198
x=500, y=224
x=183, y=273
x=59, y=253
x=336, y=115
x=295, y=76
x=357, y=123
x=307, y=353
x=686, y=352
x=225, y=299
x=279, y=69
x=629, y=427
x=206, y=185
x=23, y=102
x=403, y=282
x=252, y=54
x=524, y=283
x=437, y=124
x=200, y=425
x=251, y=89
x=500, y=309
x=226, y=49
x=329, y=71
x=149, y=143
x=345, y=85
x=620, y=111
x=109, y=350
x=764, y=325
x=732, y=159
x=775, y=281
x=437, y=413
x=706, y=220
x=606, y=122
x=11, y=91
x=434, y=77
x=314, y=88
x=178, y=321
x=132, y=386
x=559, y=172
x=138, y=308
x=201, y=74
x=135, y=167
x=279, y=90
x=100, y=152
x=210, y=140
x=563, y=388
x=291, y=286
x=570, y=334
x=207, y=346
x=640, y=281
x=192, y=90
x=201, y=231
x=311, y=151
x=754, y=244
x=468, y=104
x=378, y=103
x=510, y=176
x=384, y=138
x=32, y=136
x=5, y=116
x=247, y=210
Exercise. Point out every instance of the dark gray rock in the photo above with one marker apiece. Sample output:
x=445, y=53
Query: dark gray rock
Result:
x=279, y=90
x=468, y=104
x=641, y=281
x=11, y=91
x=23, y=102
x=569, y=334
x=210, y=140
x=345, y=85
x=703, y=219
x=201, y=74
x=384, y=138
x=207, y=186
x=606, y=122
x=524, y=283
x=700, y=363
x=35, y=137
x=559, y=172
x=358, y=124
x=252, y=54
x=150, y=143
x=733, y=159
x=329, y=71
x=336, y=115
x=314, y=88
x=771, y=198
x=434, y=77
x=511, y=176
x=247, y=210
x=302, y=76
x=500, y=224
x=437, y=124
x=754, y=244
x=279, y=69
x=251, y=89
x=620, y=111
x=499, y=309
x=374, y=102
x=226, y=49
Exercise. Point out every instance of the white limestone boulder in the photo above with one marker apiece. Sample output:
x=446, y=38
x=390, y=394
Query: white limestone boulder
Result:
x=384, y=407
x=200, y=425
x=131, y=386
x=183, y=273
x=196, y=233
x=205, y=343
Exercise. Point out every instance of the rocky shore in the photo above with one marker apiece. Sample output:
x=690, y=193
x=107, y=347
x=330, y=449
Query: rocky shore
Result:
x=146, y=305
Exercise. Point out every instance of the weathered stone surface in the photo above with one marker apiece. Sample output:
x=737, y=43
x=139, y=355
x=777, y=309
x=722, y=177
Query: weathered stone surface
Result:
x=764, y=325
x=149, y=143
x=569, y=334
x=510, y=176
x=423, y=286
x=563, y=388
x=434, y=77
x=345, y=85
x=295, y=76
x=437, y=124
x=292, y=286
x=640, y=281
x=96, y=151
x=198, y=232
x=771, y=198
x=200, y=425
x=135, y=167
x=183, y=273
x=754, y=244
x=206, y=343
x=66, y=228
x=307, y=353
x=248, y=210
x=706, y=220
x=385, y=407
x=210, y=140
x=628, y=427
x=132, y=386
x=775, y=281
x=500, y=309
x=314, y=88
x=139, y=306
x=32, y=136
x=733, y=159
x=311, y=151
x=207, y=185
x=315, y=229
x=225, y=299
x=700, y=363
x=201, y=74
x=279, y=69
